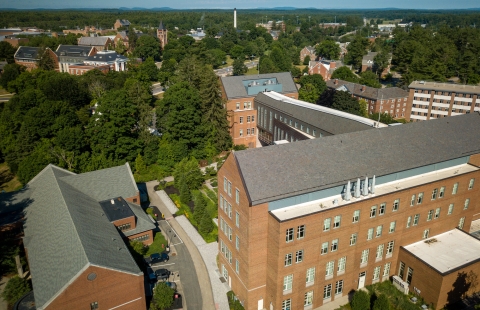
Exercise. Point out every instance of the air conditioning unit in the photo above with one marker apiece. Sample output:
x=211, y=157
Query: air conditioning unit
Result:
x=401, y=285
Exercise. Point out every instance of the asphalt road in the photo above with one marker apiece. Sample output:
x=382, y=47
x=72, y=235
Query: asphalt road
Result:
x=182, y=267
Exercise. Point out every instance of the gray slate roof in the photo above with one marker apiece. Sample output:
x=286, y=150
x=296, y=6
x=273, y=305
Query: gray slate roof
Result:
x=334, y=124
x=234, y=87
x=144, y=223
x=124, y=22
x=311, y=49
x=66, y=230
x=286, y=170
x=161, y=26
x=368, y=59
x=27, y=52
x=369, y=92
x=73, y=50
x=106, y=56
x=93, y=41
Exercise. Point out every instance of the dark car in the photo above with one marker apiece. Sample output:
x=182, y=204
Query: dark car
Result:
x=156, y=258
x=162, y=274
x=152, y=277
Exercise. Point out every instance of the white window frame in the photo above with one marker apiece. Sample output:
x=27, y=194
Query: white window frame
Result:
x=396, y=205
x=327, y=291
x=337, y=221
x=409, y=221
x=471, y=183
x=434, y=193
x=382, y=208
x=299, y=256
x=237, y=219
x=390, y=248
x=287, y=282
x=287, y=304
x=356, y=216
x=450, y=209
x=442, y=192
x=329, y=267
x=370, y=233
x=420, y=198
x=376, y=273
x=353, y=239
x=237, y=196
x=455, y=189
x=461, y=222
x=334, y=245
x=237, y=242
x=300, y=231
x=289, y=235
x=380, y=248
x=324, y=248
x=364, y=257
x=379, y=231
x=308, y=300
x=342, y=262
x=339, y=287
x=429, y=215
x=327, y=224
x=288, y=259
x=416, y=219
x=373, y=211
x=426, y=232
x=467, y=203
x=386, y=270
x=392, y=227
x=437, y=213
x=310, y=278
x=412, y=200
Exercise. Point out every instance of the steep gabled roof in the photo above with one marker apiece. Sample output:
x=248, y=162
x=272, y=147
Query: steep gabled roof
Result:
x=161, y=26
x=27, y=52
x=368, y=92
x=73, y=50
x=93, y=41
x=66, y=229
x=291, y=169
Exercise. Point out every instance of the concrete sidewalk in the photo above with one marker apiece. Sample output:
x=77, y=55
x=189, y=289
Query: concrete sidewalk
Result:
x=200, y=267
x=3, y=283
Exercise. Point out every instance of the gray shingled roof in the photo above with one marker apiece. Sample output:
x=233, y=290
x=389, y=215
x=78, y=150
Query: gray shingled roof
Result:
x=66, y=229
x=27, y=52
x=369, y=92
x=369, y=57
x=286, y=170
x=93, y=41
x=106, y=56
x=161, y=26
x=143, y=221
x=333, y=122
x=234, y=87
x=119, y=179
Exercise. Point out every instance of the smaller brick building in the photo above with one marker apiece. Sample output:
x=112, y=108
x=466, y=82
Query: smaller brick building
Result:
x=308, y=51
x=441, y=269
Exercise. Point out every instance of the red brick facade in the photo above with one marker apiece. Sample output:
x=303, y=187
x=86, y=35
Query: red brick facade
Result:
x=110, y=289
x=263, y=248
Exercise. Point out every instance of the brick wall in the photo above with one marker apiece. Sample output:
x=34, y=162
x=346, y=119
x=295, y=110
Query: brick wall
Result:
x=145, y=242
x=110, y=289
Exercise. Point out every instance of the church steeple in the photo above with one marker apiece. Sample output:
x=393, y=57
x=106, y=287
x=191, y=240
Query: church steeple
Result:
x=162, y=34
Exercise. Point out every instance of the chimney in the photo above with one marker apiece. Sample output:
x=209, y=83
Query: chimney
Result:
x=363, y=88
x=335, y=82
x=235, y=18
x=333, y=64
x=348, y=194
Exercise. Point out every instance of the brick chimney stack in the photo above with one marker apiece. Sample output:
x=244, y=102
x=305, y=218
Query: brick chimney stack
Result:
x=363, y=88
x=335, y=82
x=333, y=65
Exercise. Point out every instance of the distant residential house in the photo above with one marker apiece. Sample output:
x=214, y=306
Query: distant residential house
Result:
x=70, y=55
x=275, y=34
x=121, y=35
x=324, y=67
x=121, y=23
x=308, y=51
x=99, y=42
x=368, y=63
x=28, y=56
x=111, y=59
x=390, y=100
x=332, y=25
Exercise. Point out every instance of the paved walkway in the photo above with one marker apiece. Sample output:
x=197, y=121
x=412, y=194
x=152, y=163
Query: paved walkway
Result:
x=167, y=201
x=3, y=282
x=200, y=267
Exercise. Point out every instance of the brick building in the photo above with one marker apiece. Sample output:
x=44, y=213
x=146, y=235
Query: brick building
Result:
x=391, y=100
x=71, y=55
x=368, y=62
x=74, y=238
x=239, y=92
x=99, y=42
x=281, y=118
x=430, y=100
x=111, y=59
x=308, y=51
x=162, y=34
x=441, y=268
x=28, y=56
x=324, y=67
x=121, y=23
x=303, y=224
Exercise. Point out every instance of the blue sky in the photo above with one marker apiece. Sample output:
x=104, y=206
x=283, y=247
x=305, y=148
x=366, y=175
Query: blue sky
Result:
x=226, y=4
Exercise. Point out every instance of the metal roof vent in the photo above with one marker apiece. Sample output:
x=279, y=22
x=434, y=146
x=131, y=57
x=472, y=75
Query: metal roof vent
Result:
x=112, y=201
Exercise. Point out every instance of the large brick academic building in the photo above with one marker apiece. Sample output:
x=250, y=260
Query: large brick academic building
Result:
x=304, y=223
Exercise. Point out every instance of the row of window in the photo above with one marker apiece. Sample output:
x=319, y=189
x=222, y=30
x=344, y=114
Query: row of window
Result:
x=227, y=188
x=142, y=238
x=250, y=118
x=227, y=208
x=246, y=105
x=124, y=227
x=250, y=131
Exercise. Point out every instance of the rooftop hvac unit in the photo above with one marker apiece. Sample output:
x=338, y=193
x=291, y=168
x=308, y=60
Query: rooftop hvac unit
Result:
x=401, y=285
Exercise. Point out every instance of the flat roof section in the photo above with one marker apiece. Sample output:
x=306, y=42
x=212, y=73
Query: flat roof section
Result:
x=448, y=251
x=116, y=209
x=457, y=88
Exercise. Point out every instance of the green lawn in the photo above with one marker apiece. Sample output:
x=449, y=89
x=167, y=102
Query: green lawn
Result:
x=228, y=63
x=156, y=246
x=252, y=71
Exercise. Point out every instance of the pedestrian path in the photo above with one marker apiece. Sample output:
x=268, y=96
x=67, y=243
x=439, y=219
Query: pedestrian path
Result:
x=167, y=201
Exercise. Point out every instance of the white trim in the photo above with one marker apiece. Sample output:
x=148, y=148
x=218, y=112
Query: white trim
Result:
x=128, y=302
x=131, y=176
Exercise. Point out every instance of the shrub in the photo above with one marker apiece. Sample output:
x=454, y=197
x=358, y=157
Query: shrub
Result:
x=381, y=303
x=16, y=287
x=360, y=301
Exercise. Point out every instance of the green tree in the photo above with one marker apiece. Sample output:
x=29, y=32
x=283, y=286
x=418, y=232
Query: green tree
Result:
x=140, y=166
x=308, y=92
x=185, y=194
x=363, y=107
x=188, y=170
x=356, y=50
x=360, y=301
x=162, y=296
x=344, y=74
x=368, y=78
x=120, y=47
x=239, y=67
x=45, y=60
x=344, y=101
x=267, y=65
x=237, y=52
x=280, y=59
x=206, y=224
x=381, y=303
x=16, y=287
x=381, y=62
x=315, y=80
x=10, y=73
x=328, y=49
x=132, y=40
x=385, y=118
x=147, y=46
x=306, y=60
x=214, y=113
x=7, y=51
x=199, y=207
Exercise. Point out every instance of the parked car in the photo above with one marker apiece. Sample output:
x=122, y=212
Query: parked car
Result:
x=171, y=285
x=152, y=277
x=162, y=274
x=156, y=258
